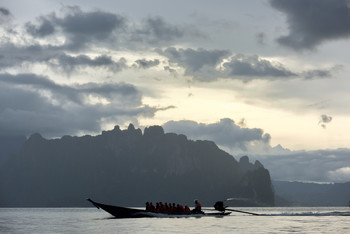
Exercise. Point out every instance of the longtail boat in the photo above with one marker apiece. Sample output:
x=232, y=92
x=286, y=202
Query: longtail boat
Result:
x=123, y=212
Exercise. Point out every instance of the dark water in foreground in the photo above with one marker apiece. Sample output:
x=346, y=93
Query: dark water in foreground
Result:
x=91, y=220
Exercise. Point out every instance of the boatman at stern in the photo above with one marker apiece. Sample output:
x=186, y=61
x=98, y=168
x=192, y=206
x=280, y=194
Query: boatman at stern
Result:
x=198, y=208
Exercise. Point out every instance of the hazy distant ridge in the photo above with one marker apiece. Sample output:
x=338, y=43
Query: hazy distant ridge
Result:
x=312, y=194
x=128, y=167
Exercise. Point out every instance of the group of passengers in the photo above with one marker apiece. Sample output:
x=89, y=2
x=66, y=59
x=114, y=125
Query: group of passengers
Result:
x=171, y=208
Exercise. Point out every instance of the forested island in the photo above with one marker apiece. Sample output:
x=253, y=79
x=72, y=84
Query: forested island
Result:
x=129, y=167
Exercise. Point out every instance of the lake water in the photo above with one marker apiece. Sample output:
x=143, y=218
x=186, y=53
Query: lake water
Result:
x=92, y=220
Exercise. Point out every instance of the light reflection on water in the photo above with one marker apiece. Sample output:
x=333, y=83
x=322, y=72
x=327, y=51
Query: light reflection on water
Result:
x=91, y=220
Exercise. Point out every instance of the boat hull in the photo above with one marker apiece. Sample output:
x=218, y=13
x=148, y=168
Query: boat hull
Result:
x=123, y=212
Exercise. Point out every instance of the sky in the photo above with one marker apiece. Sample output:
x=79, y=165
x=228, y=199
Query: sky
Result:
x=263, y=78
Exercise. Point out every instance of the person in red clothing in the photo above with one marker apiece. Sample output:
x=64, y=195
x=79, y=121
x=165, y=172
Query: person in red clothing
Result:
x=151, y=207
x=170, y=208
x=187, y=209
x=162, y=208
x=180, y=209
x=166, y=208
x=157, y=207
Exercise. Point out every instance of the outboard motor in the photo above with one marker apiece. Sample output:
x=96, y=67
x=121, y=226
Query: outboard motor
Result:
x=219, y=205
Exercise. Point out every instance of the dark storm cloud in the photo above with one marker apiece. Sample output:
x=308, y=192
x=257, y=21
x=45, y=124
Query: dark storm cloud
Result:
x=39, y=83
x=202, y=65
x=85, y=27
x=225, y=133
x=199, y=63
x=253, y=66
x=76, y=93
x=311, y=22
x=31, y=103
x=70, y=63
x=45, y=28
x=145, y=64
x=98, y=28
x=81, y=29
x=12, y=55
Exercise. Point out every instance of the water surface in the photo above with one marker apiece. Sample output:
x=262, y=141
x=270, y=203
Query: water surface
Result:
x=92, y=220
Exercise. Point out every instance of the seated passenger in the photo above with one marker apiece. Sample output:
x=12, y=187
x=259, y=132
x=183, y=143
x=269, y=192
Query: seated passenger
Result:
x=180, y=209
x=166, y=208
x=161, y=205
x=170, y=208
x=151, y=207
x=187, y=209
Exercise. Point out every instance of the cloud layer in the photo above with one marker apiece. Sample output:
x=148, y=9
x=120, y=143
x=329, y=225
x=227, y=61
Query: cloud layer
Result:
x=210, y=65
x=226, y=133
x=312, y=22
x=65, y=40
x=31, y=103
x=317, y=166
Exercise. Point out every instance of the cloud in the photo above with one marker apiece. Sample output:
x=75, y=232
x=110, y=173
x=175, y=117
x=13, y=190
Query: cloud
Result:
x=6, y=20
x=204, y=65
x=30, y=103
x=312, y=22
x=317, y=165
x=70, y=63
x=321, y=73
x=145, y=64
x=254, y=66
x=199, y=63
x=210, y=65
x=87, y=27
x=4, y=12
x=225, y=133
x=5, y=15
x=112, y=92
x=83, y=30
x=62, y=38
x=80, y=29
x=171, y=70
x=45, y=28
x=155, y=30
x=340, y=175
x=325, y=119
x=12, y=55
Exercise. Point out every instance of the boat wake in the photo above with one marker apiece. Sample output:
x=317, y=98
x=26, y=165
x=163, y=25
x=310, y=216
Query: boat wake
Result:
x=333, y=213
